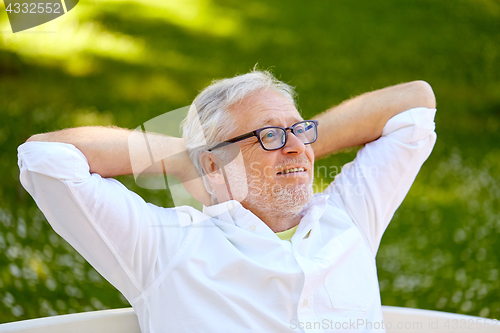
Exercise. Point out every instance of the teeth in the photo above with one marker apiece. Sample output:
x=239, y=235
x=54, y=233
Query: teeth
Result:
x=292, y=170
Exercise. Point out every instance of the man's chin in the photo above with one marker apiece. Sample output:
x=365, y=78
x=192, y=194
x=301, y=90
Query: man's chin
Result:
x=295, y=197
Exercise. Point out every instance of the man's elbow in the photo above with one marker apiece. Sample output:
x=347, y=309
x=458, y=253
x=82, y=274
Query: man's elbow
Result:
x=424, y=95
x=36, y=137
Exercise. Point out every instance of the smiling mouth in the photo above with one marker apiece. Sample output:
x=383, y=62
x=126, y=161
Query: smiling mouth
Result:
x=291, y=170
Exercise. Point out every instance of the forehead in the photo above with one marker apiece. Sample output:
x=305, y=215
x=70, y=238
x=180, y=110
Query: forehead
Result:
x=265, y=108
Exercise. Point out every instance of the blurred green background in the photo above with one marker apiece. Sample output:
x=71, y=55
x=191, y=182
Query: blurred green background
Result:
x=125, y=62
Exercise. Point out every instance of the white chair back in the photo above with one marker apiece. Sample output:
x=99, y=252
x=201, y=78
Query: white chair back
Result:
x=396, y=319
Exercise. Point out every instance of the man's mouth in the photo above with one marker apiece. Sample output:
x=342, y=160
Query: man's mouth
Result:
x=291, y=170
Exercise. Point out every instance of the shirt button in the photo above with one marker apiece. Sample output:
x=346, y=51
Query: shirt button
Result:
x=252, y=227
x=304, y=303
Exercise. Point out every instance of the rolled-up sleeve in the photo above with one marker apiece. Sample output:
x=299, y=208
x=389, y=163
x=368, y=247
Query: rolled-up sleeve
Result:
x=373, y=186
x=113, y=228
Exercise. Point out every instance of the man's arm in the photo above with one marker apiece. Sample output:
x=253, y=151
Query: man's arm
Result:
x=361, y=119
x=107, y=150
x=126, y=239
x=396, y=124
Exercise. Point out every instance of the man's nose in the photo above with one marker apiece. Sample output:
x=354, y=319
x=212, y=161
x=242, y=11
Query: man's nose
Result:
x=293, y=145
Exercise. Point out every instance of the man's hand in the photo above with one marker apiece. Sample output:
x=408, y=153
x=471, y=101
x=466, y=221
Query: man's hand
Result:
x=107, y=150
x=361, y=119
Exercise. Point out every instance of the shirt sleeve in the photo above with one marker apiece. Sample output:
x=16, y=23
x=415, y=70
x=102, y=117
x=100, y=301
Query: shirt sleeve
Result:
x=126, y=239
x=373, y=186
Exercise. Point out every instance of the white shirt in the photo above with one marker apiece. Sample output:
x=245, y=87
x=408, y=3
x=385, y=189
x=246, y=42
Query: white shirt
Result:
x=223, y=269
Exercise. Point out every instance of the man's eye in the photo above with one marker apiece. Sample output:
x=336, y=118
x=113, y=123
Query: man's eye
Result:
x=300, y=129
x=269, y=134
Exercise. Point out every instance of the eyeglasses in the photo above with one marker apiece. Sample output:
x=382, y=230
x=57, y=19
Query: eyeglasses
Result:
x=275, y=137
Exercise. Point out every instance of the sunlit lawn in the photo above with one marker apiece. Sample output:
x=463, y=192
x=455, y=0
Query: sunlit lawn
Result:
x=125, y=62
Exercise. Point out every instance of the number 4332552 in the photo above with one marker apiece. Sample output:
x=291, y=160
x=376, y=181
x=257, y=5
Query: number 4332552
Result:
x=33, y=8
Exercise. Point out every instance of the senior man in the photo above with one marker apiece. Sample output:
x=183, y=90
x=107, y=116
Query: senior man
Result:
x=265, y=255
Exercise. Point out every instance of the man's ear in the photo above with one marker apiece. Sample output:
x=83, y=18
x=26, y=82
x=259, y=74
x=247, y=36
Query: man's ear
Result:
x=211, y=167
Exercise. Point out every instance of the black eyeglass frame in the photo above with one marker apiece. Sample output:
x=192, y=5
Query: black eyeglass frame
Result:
x=257, y=134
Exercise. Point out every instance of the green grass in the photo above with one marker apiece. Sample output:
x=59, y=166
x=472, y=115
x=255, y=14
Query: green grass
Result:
x=440, y=251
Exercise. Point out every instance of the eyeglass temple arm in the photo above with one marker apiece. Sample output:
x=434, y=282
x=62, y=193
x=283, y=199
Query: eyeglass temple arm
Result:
x=233, y=140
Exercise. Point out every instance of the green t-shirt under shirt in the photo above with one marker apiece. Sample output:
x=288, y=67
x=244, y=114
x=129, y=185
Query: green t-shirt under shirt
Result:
x=287, y=234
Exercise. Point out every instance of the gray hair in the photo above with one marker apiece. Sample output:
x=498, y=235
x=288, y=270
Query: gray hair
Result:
x=208, y=121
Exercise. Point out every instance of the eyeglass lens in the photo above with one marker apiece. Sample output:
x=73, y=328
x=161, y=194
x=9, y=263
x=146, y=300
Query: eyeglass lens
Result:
x=275, y=137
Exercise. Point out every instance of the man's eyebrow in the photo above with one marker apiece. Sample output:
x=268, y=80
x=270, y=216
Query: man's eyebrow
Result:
x=271, y=121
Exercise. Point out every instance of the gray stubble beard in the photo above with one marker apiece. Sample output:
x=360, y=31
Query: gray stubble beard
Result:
x=289, y=199
x=259, y=194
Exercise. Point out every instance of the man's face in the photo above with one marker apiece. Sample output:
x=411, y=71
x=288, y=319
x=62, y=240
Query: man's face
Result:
x=280, y=178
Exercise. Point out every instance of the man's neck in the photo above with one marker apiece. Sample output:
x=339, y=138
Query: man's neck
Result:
x=276, y=219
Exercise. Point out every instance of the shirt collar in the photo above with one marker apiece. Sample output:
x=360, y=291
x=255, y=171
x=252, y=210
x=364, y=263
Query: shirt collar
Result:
x=311, y=214
x=234, y=213
x=223, y=211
